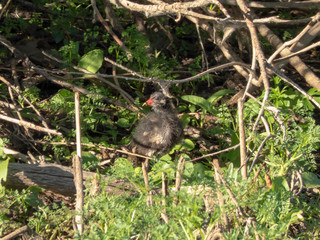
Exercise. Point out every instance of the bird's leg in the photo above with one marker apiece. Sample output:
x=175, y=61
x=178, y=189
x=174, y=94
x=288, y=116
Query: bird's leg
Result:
x=146, y=182
x=147, y=164
x=179, y=172
x=164, y=194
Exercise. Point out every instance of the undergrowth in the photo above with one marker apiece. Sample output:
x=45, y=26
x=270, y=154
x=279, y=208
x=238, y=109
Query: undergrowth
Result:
x=278, y=200
x=275, y=208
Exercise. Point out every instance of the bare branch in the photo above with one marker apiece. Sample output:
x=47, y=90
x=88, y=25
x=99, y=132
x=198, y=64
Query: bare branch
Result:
x=292, y=83
x=162, y=8
x=17, y=232
x=297, y=53
x=115, y=37
x=29, y=125
x=77, y=166
x=296, y=62
x=44, y=123
x=288, y=4
x=259, y=53
x=215, y=163
x=242, y=138
x=296, y=39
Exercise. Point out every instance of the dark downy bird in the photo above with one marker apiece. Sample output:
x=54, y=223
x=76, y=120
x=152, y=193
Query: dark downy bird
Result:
x=160, y=130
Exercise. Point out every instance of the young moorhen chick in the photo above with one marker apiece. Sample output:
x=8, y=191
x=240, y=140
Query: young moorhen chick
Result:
x=160, y=130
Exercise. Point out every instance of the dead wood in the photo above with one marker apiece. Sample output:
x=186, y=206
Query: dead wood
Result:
x=296, y=62
x=307, y=38
x=112, y=17
x=57, y=178
x=282, y=4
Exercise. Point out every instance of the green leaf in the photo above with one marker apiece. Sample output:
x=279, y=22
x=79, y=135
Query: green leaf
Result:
x=188, y=169
x=123, y=168
x=219, y=94
x=85, y=140
x=198, y=171
x=314, y=92
x=166, y=157
x=32, y=198
x=92, y=61
x=185, y=156
x=161, y=166
x=188, y=144
x=123, y=122
x=310, y=180
x=3, y=170
x=279, y=184
x=192, y=108
x=201, y=102
x=58, y=35
x=88, y=160
x=185, y=119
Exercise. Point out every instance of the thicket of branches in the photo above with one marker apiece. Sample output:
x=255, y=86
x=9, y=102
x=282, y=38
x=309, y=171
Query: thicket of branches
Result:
x=245, y=78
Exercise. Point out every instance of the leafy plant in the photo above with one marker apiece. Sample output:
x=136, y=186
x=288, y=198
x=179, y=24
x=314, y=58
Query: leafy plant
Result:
x=271, y=211
x=125, y=216
x=92, y=60
x=70, y=52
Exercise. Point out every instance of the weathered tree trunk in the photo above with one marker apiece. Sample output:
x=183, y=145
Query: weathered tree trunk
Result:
x=56, y=178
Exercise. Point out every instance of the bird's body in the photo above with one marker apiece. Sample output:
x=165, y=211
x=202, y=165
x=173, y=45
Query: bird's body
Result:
x=160, y=130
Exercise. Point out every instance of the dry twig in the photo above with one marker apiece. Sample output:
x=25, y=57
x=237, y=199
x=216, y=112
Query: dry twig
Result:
x=242, y=138
x=104, y=23
x=77, y=163
x=179, y=172
x=16, y=233
x=29, y=125
x=215, y=163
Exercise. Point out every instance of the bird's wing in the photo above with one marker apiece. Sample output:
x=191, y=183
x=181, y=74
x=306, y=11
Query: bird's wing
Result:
x=152, y=129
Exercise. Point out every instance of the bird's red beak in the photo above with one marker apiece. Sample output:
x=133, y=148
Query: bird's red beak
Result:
x=148, y=102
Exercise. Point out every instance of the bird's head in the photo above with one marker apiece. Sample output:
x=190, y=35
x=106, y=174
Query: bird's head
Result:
x=157, y=100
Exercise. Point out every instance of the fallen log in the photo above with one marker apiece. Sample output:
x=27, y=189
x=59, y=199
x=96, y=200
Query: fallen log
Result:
x=58, y=179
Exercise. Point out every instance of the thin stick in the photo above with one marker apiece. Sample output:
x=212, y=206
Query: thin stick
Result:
x=18, y=155
x=217, y=153
x=277, y=5
x=296, y=86
x=144, y=79
x=45, y=72
x=216, y=166
x=97, y=76
x=222, y=8
x=44, y=123
x=298, y=52
x=299, y=175
x=203, y=52
x=10, y=106
x=259, y=150
x=18, y=112
x=179, y=172
x=164, y=187
x=293, y=41
x=164, y=194
x=133, y=73
x=105, y=81
x=258, y=172
x=92, y=145
x=16, y=233
x=29, y=125
x=77, y=163
x=220, y=176
x=242, y=138
x=259, y=53
x=144, y=167
x=127, y=97
x=106, y=26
